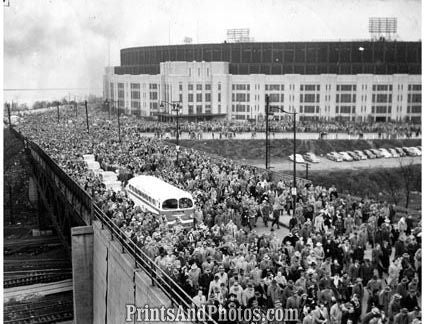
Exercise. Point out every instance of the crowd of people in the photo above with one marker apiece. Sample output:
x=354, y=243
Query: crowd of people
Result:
x=343, y=260
x=231, y=129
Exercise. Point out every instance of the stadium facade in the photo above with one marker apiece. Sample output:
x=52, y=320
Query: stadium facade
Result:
x=361, y=81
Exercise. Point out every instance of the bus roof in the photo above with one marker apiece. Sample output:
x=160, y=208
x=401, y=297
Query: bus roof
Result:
x=157, y=188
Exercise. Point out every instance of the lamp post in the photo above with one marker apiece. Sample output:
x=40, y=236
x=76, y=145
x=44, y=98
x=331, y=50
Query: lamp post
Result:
x=87, y=116
x=175, y=106
x=109, y=109
x=294, y=183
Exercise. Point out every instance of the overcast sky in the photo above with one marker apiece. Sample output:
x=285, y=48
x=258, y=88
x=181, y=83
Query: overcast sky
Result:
x=64, y=43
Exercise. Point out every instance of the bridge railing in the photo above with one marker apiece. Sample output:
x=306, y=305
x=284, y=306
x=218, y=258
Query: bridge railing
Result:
x=159, y=277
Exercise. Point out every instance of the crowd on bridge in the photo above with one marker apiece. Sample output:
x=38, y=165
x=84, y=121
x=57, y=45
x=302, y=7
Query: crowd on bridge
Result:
x=344, y=260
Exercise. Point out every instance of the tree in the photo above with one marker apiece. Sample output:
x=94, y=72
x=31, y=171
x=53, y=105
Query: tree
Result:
x=410, y=178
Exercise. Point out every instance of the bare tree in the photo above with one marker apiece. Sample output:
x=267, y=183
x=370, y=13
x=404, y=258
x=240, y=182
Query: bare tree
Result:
x=410, y=178
x=394, y=185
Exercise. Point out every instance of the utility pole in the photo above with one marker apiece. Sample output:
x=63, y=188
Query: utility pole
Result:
x=8, y=113
x=119, y=125
x=58, y=111
x=294, y=189
x=87, y=116
x=267, y=132
x=76, y=109
x=307, y=165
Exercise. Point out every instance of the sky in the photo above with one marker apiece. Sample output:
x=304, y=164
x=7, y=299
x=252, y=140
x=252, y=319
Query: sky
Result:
x=67, y=43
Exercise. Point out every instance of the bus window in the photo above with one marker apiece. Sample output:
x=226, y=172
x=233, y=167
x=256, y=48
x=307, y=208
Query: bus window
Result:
x=169, y=204
x=185, y=203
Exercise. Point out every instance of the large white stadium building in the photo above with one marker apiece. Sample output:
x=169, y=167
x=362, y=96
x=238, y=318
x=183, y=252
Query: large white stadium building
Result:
x=356, y=81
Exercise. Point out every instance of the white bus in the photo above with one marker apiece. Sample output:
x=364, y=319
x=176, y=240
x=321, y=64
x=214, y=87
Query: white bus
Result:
x=162, y=198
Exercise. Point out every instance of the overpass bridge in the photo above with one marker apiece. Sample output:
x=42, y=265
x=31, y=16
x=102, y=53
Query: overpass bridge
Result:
x=109, y=270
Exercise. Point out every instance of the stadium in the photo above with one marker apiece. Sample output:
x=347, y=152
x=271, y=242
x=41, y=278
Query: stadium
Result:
x=374, y=81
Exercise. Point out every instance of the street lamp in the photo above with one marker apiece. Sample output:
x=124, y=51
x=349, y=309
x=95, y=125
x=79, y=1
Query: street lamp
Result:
x=294, y=184
x=109, y=109
x=175, y=107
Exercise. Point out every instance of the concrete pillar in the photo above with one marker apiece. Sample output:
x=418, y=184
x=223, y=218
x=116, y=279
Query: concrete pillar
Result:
x=82, y=273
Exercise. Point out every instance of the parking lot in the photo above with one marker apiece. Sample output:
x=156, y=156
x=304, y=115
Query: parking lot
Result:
x=326, y=164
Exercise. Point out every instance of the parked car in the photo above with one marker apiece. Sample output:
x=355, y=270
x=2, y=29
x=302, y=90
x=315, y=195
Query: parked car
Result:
x=369, y=154
x=377, y=153
x=409, y=151
x=334, y=156
x=417, y=151
x=354, y=155
x=400, y=151
x=298, y=158
x=345, y=156
x=394, y=153
x=361, y=154
x=385, y=153
x=311, y=157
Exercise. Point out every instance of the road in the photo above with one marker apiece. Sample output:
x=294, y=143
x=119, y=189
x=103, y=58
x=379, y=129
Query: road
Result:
x=287, y=135
x=328, y=165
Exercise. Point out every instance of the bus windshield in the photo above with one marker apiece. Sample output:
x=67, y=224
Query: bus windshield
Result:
x=185, y=203
x=169, y=204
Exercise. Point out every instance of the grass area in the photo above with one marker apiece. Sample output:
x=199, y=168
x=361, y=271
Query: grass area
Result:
x=378, y=184
x=279, y=148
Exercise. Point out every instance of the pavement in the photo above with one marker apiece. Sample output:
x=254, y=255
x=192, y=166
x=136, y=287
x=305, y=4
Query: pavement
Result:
x=284, y=135
x=327, y=165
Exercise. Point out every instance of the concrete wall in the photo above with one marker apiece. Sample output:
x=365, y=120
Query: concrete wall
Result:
x=114, y=275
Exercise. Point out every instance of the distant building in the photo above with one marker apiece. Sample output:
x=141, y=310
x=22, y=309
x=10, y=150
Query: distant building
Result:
x=377, y=81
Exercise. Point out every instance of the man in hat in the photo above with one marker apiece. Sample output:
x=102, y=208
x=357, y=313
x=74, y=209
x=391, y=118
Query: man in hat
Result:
x=199, y=299
x=335, y=311
x=410, y=301
x=374, y=313
x=384, y=298
x=402, y=317
x=247, y=294
x=237, y=290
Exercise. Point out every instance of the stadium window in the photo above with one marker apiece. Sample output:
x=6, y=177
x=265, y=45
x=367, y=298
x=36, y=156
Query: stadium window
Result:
x=190, y=86
x=219, y=86
x=208, y=97
x=180, y=86
x=219, y=97
x=199, y=97
x=208, y=86
x=190, y=97
x=199, y=87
